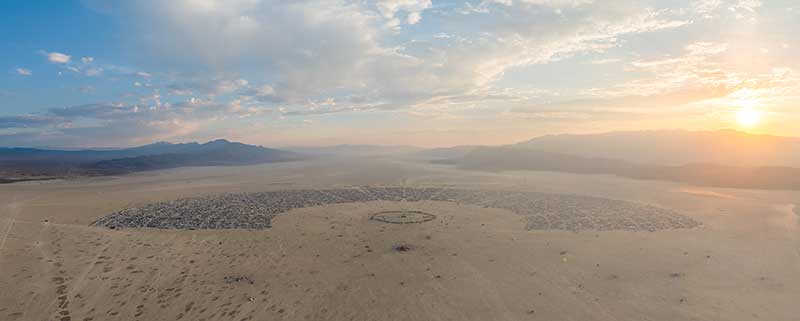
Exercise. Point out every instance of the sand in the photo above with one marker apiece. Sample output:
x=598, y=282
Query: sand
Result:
x=333, y=262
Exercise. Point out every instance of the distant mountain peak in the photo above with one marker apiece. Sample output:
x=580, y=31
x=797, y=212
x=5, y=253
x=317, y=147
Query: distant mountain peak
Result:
x=220, y=141
x=160, y=143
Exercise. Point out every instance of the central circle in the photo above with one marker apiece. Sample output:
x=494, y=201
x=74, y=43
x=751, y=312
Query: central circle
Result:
x=402, y=217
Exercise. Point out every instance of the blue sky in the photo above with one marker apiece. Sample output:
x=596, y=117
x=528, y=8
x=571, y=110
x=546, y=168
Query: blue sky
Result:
x=432, y=73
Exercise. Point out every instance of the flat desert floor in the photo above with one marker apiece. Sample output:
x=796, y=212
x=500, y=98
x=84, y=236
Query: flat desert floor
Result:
x=332, y=262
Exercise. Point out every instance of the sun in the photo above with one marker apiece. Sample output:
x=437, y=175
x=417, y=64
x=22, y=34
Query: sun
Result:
x=748, y=117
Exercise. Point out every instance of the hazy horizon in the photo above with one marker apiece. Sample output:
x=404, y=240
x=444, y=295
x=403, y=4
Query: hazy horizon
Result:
x=599, y=133
x=468, y=160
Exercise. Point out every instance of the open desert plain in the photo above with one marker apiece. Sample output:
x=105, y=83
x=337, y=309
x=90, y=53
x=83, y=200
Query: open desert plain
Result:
x=400, y=160
x=391, y=239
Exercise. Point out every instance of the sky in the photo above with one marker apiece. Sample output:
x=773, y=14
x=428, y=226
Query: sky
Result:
x=110, y=73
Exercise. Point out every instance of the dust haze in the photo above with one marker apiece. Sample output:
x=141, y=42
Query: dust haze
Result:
x=393, y=236
x=409, y=160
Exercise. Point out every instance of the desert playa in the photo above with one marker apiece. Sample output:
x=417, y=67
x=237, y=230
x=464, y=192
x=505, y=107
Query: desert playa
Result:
x=400, y=160
x=735, y=258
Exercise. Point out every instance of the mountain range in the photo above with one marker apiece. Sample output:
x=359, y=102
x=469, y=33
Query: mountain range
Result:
x=676, y=147
x=711, y=158
x=18, y=164
x=668, y=147
x=720, y=158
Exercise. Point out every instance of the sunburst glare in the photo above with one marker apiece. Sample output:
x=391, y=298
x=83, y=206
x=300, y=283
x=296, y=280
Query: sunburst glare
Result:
x=748, y=117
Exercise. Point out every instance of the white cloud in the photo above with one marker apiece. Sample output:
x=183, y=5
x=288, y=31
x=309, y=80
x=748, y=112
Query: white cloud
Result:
x=520, y=44
x=747, y=5
x=413, y=9
x=226, y=86
x=291, y=42
x=556, y=3
x=503, y=2
x=319, y=58
x=57, y=57
x=700, y=80
x=24, y=72
x=706, y=6
x=696, y=69
x=414, y=17
x=713, y=8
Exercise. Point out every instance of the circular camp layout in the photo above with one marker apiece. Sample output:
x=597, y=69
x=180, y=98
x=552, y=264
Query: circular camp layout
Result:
x=256, y=210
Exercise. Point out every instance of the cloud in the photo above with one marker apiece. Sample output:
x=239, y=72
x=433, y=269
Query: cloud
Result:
x=698, y=66
x=698, y=82
x=209, y=86
x=557, y=3
x=27, y=121
x=414, y=18
x=264, y=93
x=113, y=124
x=413, y=9
x=291, y=42
x=605, y=61
x=633, y=104
x=522, y=35
x=218, y=63
x=123, y=133
x=93, y=72
x=710, y=9
x=96, y=111
x=24, y=72
x=57, y=57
